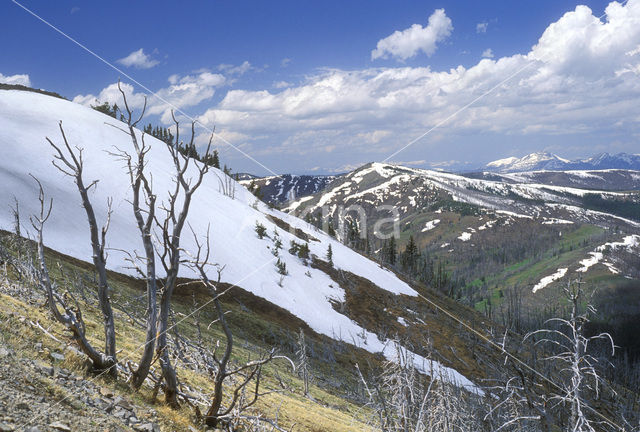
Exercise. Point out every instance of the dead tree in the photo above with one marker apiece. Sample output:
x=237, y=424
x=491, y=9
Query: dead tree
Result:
x=404, y=400
x=176, y=211
x=71, y=317
x=143, y=203
x=15, y=210
x=243, y=375
x=512, y=409
x=303, y=363
x=575, y=363
x=70, y=163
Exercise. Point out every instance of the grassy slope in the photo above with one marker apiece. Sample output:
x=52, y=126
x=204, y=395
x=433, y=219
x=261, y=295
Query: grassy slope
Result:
x=254, y=330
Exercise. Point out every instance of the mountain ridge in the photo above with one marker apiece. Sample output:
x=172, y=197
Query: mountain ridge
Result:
x=544, y=161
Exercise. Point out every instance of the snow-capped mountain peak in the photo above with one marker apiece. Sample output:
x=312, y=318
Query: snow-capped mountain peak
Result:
x=502, y=162
x=544, y=161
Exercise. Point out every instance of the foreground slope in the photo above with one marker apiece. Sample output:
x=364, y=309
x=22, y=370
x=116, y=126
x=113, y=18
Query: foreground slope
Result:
x=308, y=292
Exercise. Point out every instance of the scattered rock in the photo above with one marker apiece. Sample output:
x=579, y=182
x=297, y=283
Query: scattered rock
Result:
x=4, y=427
x=104, y=391
x=56, y=356
x=60, y=426
x=4, y=352
x=123, y=403
x=23, y=406
x=146, y=427
x=47, y=370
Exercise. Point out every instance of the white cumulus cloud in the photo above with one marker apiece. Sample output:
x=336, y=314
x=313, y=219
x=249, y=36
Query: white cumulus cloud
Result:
x=139, y=60
x=579, y=85
x=407, y=43
x=488, y=53
x=22, y=79
x=182, y=92
x=580, y=78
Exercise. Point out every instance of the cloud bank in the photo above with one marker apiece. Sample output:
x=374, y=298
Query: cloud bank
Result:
x=22, y=79
x=581, y=80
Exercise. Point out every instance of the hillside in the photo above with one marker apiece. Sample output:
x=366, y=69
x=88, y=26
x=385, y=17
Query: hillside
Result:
x=327, y=301
x=604, y=180
x=277, y=190
x=358, y=315
x=481, y=237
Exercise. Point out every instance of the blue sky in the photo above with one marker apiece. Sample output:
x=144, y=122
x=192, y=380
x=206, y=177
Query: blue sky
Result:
x=325, y=86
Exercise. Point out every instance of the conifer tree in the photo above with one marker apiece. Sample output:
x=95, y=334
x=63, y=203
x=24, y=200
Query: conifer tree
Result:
x=389, y=253
x=409, y=257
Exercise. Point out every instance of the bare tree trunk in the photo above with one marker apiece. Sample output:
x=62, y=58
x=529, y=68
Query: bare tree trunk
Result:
x=141, y=184
x=252, y=370
x=72, y=319
x=168, y=372
x=303, y=362
x=211, y=418
x=72, y=165
x=171, y=228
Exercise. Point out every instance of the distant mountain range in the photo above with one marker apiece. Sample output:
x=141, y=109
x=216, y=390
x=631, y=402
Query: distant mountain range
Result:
x=280, y=189
x=543, y=161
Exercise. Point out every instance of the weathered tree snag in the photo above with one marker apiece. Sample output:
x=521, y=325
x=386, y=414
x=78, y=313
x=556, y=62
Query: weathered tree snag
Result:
x=171, y=229
x=250, y=371
x=72, y=165
x=72, y=319
x=142, y=191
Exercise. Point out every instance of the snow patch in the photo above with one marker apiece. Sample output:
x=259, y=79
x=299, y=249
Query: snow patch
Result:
x=554, y=221
x=589, y=262
x=431, y=225
x=465, y=236
x=549, y=279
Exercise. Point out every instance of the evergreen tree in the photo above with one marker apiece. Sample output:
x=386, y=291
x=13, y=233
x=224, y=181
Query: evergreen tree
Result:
x=330, y=230
x=409, y=256
x=389, y=253
x=303, y=251
x=107, y=109
x=261, y=230
x=282, y=267
x=277, y=243
x=215, y=159
x=330, y=255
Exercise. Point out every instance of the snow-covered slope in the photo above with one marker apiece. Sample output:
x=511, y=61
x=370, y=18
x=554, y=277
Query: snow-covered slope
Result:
x=606, y=180
x=27, y=118
x=531, y=162
x=286, y=187
x=547, y=161
x=410, y=190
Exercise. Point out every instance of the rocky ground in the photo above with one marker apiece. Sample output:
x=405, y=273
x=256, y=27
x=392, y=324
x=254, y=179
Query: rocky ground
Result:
x=37, y=392
x=38, y=395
